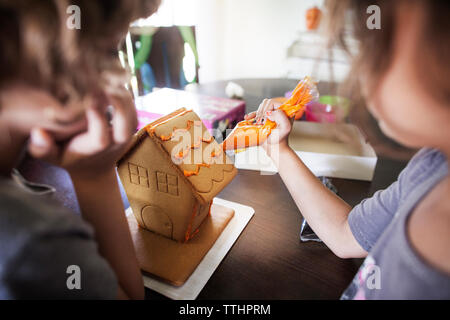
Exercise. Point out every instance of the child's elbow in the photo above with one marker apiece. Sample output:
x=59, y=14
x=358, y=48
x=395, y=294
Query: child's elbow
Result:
x=349, y=253
x=345, y=246
x=343, y=254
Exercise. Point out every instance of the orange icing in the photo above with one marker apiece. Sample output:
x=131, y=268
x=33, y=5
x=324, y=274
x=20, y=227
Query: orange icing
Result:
x=188, y=235
x=175, y=129
x=188, y=173
x=214, y=155
x=209, y=140
x=194, y=233
x=183, y=153
x=247, y=133
x=150, y=128
x=209, y=211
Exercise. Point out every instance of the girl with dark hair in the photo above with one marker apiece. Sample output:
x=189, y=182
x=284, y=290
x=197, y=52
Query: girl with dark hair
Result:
x=403, y=71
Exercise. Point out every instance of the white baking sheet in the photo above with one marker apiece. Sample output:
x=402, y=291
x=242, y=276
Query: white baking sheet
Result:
x=192, y=287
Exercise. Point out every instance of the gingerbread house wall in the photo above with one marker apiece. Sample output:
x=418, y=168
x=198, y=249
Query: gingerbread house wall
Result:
x=160, y=198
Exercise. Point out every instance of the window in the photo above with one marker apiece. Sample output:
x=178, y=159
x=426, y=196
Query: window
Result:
x=167, y=183
x=172, y=13
x=138, y=175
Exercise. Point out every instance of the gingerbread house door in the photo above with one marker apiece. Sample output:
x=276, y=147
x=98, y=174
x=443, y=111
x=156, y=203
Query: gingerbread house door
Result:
x=156, y=220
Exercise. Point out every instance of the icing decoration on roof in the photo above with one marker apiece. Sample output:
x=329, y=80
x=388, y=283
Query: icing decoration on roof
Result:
x=183, y=153
x=217, y=152
x=188, y=173
x=214, y=180
x=214, y=155
x=175, y=129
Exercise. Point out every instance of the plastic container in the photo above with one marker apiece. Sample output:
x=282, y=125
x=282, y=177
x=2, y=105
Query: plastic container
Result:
x=329, y=109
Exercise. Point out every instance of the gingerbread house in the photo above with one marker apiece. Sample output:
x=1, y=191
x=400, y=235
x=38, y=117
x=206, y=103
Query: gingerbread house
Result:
x=171, y=174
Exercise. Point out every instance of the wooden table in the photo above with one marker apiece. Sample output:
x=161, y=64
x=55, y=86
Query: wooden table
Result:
x=267, y=261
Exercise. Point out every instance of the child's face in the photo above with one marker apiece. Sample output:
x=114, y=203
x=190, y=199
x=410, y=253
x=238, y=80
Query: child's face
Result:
x=406, y=111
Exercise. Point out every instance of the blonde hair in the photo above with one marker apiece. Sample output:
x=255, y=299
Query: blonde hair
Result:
x=38, y=49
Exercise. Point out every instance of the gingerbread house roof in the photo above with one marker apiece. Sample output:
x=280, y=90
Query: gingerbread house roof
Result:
x=191, y=149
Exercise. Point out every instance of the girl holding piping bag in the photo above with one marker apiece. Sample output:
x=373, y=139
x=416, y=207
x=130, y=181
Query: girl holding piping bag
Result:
x=403, y=231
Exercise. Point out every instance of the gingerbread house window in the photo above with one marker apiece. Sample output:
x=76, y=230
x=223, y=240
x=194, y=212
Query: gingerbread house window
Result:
x=167, y=183
x=138, y=175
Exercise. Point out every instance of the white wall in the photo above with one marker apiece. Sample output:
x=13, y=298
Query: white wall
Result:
x=239, y=38
x=247, y=38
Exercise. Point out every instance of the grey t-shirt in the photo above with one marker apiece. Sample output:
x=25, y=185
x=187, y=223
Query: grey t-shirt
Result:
x=48, y=252
x=393, y=269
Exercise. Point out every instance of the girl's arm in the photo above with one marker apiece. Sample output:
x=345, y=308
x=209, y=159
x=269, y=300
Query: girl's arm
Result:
x=325, y=212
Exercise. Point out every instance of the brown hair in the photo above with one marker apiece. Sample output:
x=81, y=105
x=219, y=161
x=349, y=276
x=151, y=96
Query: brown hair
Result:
x=375, y=48
x=38, y=49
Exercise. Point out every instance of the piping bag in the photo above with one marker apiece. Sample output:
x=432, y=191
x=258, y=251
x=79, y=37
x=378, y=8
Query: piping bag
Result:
x=249, y=134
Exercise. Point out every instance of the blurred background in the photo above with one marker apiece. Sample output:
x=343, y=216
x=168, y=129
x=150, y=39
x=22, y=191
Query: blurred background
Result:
x=202, y=41
x=244, y=49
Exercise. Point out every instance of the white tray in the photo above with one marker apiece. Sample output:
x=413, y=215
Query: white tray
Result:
x=198, y=279
x=332, y=150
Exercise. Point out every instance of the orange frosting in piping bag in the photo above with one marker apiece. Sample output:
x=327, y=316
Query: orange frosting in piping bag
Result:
x=248, y=134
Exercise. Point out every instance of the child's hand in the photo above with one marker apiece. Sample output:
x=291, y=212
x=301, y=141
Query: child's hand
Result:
x=265, y=106
x=25, y=107
x=279, y=135
x=94, y=151
x=268, y=109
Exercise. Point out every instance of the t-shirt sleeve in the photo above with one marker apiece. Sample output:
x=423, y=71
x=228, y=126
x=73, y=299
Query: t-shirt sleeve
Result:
x=368, y=219
x=60, y=266
x=371, y=217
